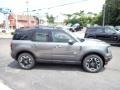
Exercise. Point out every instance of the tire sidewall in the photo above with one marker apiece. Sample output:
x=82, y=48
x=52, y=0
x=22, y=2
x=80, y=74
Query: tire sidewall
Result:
x=89, y=56
x=30, y=56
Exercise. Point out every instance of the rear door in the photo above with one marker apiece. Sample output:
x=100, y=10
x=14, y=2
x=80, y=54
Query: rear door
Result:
x=42, y=47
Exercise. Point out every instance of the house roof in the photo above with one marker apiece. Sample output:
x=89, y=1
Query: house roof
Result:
x=21, y=17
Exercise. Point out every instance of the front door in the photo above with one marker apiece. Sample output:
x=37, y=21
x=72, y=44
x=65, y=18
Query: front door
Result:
x=100, y=33
x=111, y=35
x=62, y=49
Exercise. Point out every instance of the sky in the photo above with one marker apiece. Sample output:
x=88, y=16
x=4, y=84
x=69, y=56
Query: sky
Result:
x=20, y=6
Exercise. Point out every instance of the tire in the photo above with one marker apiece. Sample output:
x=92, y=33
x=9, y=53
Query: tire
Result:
x=92, y=63
x=26, y=61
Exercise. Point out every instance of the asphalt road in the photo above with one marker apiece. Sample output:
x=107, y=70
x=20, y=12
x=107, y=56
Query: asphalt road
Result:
x=57, y=77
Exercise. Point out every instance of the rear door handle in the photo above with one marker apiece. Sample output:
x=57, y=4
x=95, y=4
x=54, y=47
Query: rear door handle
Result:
x=58, y=46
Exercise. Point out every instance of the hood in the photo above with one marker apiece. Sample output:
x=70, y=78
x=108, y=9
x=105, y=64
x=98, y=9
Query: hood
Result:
x=94, y=42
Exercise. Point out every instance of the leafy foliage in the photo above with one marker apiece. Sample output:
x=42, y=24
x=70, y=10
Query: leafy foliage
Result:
x=83, y=19
x=112, y=12
x=112, y=15
x=50, y=18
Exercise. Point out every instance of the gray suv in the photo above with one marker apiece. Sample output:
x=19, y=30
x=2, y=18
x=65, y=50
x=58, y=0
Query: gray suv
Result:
x=33, y=45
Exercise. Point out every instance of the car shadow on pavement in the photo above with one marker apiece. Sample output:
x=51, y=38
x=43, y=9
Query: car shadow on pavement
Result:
x=60, y=67
x=51, y=66
x=14, y=65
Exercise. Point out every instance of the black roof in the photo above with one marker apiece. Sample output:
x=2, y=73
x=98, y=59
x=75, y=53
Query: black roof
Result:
x=95, y=27
x=26, y=33
x=37, y=28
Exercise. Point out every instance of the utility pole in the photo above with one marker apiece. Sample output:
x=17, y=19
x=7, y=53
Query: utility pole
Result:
x=16, y=20
x=38, y=16
x=104, y=10
x=6, y=22
x=27, y=11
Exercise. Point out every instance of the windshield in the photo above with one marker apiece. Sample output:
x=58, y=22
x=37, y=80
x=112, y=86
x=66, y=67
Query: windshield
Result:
x=117, y=27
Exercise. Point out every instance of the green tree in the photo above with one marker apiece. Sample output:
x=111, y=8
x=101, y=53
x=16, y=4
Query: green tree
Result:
x=97, y=19
x=50, y=18
x=82, y=18
x=112, y=14
x=37, y=19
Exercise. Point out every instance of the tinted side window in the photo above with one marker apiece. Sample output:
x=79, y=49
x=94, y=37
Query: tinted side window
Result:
x=19, y=36
x=60, y=36
x=108, y=30
x=41, y=36
x=99, y=30
x=22, y=36
x=91, y=30
x=95, y=30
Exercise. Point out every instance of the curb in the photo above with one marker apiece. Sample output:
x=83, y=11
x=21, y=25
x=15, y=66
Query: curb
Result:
x=3, y=86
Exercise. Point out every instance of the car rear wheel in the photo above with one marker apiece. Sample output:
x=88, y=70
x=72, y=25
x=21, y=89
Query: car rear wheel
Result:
x=92, y=63
x=26, y=61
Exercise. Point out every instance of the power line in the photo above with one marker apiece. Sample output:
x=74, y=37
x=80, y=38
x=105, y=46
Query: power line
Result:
x=60, y=5
x=65, y=4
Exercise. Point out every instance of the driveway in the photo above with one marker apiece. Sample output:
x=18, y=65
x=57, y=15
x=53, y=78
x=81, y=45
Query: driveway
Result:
x=57, y=76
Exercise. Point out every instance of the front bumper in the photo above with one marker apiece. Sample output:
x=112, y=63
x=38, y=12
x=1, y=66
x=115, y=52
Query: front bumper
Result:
x=108, y=57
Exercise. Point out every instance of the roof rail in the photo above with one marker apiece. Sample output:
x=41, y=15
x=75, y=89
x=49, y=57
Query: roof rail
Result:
x=48, y=27
x=41, y=27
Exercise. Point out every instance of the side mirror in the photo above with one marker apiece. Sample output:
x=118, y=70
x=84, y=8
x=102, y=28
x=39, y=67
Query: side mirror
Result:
x=71, y=42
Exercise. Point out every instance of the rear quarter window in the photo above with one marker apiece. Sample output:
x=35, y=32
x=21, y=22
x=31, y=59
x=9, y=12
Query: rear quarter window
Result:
x=23, y=35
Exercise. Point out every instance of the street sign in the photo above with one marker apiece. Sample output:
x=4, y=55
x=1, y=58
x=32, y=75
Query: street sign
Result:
x=5, y=10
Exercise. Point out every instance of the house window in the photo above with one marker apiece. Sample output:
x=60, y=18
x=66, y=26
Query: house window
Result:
x=22, y=21
x=32, y=21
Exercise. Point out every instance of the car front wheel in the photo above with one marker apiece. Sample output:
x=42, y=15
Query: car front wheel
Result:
x=92, y=63
x=26, y=61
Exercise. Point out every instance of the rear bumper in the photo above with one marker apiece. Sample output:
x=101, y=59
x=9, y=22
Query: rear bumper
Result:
x=13, y=55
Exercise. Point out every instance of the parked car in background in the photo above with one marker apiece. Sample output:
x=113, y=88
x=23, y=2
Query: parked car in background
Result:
x=33, y=45
x=77, y=27
x=103, y=33
x=117, y=28
x=109, y=26
x=68, y=28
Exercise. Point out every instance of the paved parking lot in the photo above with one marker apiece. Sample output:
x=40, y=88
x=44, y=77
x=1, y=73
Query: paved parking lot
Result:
x=57, y=77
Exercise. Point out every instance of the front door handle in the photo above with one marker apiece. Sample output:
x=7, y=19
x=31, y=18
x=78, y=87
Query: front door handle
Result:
x=58, y=46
